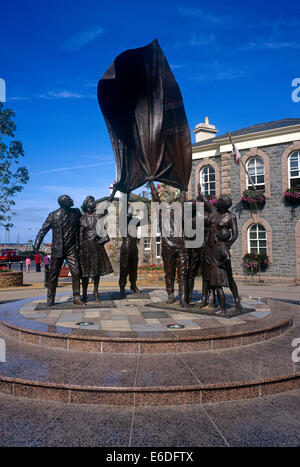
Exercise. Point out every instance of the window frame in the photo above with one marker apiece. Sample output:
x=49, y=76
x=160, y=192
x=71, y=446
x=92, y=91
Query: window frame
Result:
x=157, y=242
x=257, y=239
x=148, y=241
x=202, y=184
x=289, y=168
x=253, y=177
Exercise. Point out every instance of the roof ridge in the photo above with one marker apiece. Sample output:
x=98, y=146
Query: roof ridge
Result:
x=273, y=124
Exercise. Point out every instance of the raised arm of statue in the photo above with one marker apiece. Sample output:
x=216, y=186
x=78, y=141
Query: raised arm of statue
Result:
x=201, y=197
x=182, y=197
x=42, y=233
x=154, y=192
x=112, y=195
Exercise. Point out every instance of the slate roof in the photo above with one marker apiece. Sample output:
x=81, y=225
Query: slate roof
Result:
x=254, y=129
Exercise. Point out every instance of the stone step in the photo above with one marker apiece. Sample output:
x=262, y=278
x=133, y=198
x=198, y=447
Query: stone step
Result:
x=250, y=371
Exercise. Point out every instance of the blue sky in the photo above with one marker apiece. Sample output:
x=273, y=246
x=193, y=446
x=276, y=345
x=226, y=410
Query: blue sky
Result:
x=234, y=61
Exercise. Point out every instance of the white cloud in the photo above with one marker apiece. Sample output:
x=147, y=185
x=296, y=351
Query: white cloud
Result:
x=200, y=14
x=275, y=45
x=277, y=24
x=18, y=98
x=216, y=71
x=204, y=39
x=175, y=66
x=196, y=40
x=63, y=95
x=76, y=167
x=82, y=38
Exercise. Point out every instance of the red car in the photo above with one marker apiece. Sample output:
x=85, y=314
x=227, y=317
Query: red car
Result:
x=9, y=256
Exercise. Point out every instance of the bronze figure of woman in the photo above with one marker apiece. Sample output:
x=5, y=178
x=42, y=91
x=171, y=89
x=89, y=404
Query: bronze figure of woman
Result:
x=93, y=256
x=216, y=270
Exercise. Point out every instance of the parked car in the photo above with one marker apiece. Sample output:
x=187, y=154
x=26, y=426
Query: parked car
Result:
x=10, y=256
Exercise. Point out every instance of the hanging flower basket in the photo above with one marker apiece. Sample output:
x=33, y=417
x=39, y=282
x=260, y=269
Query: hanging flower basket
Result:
x=292, y=195
x=254, y=263
x=253, y=198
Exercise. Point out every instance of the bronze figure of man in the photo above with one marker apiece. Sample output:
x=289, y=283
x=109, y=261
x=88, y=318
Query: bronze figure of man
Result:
x=65, y=225
x=129, y=258
x=174, y=254
x=196, y=255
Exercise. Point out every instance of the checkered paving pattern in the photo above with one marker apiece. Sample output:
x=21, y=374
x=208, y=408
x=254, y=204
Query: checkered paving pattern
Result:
x=133, y=315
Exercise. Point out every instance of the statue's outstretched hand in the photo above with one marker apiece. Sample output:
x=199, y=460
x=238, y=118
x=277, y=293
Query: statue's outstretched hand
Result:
x=200, y=194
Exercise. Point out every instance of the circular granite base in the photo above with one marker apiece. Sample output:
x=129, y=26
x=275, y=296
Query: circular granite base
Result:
x=136, y=325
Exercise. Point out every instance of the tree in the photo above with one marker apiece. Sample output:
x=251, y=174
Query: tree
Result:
x=12, y=178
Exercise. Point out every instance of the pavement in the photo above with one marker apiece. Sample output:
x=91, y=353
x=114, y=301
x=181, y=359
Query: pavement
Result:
x=34, y=284
x=271, y=421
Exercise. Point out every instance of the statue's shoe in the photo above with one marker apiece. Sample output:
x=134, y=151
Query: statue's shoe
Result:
x=78, y=301
x=96, y=297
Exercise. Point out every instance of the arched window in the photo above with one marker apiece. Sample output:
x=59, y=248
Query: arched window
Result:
x=208, y=181
x=294, y=169
x=256, y=170
x=257, y=239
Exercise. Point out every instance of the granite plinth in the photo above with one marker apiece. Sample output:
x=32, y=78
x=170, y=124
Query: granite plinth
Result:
x=231, y=311
x=69, y=305
x=129, y=326
x=130, y=295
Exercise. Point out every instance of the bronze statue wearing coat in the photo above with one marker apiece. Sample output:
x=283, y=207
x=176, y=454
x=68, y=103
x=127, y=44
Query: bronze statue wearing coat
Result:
x=174, y=254
x=64, y=223
x=129, y=258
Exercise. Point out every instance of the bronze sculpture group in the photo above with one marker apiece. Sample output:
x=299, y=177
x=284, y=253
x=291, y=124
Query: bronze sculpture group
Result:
x=76, y=239
x=144, y=113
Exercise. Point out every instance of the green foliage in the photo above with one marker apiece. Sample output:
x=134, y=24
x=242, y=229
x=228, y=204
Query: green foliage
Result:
x=12, y=177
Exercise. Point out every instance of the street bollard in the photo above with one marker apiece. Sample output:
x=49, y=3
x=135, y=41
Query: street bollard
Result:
x=21, y=266
x=9, y=265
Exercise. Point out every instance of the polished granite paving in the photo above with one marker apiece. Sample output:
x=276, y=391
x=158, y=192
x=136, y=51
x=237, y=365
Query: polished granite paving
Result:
x=270, y=421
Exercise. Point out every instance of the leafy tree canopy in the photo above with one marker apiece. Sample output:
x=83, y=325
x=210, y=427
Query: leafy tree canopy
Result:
x=12, y=176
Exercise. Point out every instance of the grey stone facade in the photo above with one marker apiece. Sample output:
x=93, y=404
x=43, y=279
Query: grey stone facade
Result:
x=277, y=212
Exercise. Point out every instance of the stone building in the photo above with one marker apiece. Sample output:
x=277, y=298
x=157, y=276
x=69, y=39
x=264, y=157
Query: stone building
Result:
x=271, y=154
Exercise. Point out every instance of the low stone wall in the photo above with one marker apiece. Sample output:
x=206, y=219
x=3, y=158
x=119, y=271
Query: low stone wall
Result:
x=151, y=276
x=64, y=272
x=11, y=279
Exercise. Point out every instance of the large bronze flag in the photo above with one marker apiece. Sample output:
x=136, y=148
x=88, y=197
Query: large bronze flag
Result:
x=144, y=113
